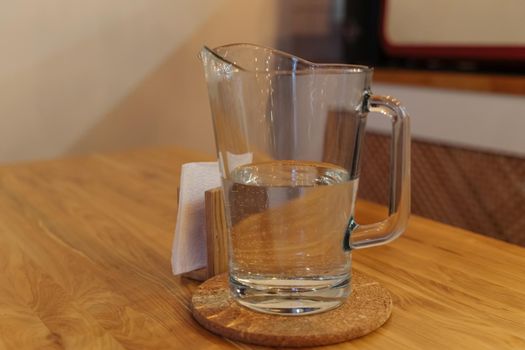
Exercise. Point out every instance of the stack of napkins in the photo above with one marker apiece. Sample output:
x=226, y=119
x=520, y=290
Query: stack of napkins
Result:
x=189, y=245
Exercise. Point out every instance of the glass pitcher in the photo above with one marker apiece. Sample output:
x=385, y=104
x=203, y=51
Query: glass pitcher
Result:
x=288, y=134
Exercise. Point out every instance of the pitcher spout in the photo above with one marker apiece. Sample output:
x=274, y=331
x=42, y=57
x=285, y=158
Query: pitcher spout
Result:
x=259, y=59
x=215, y=64
x=252, y=58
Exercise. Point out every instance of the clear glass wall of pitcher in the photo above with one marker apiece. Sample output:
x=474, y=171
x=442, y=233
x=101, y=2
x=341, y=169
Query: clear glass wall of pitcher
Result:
x=289, y=134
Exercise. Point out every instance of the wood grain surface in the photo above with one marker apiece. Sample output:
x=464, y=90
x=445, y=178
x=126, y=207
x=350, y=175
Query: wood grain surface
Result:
x=85, y=249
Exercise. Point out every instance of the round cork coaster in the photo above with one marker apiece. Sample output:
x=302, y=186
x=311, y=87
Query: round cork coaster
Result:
x=368, y=308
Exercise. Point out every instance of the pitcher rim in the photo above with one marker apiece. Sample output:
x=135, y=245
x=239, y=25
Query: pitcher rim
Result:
x=314, y=67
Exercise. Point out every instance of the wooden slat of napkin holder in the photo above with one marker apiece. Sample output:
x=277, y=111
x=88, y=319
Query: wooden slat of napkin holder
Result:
x=216, y=237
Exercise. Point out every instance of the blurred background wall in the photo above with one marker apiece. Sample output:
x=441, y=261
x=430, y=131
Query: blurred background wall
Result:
x=81, y=77
x=87, y=76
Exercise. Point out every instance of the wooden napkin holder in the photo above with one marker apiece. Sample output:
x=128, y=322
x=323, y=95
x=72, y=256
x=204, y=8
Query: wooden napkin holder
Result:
x=335, y=150
x=216, y=237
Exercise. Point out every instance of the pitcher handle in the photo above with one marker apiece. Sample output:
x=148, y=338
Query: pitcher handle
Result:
x=363, y=236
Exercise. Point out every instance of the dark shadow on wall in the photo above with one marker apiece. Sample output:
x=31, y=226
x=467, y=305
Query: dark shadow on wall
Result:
x=312, y=29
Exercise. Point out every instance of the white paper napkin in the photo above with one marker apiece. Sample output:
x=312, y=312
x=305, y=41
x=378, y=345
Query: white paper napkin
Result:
x=189, y=245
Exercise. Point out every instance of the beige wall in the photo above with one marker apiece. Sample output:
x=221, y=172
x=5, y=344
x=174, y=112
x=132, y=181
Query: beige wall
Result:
x=78, y=77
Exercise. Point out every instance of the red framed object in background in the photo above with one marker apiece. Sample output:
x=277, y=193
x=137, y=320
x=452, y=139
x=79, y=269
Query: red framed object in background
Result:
x=451, y=29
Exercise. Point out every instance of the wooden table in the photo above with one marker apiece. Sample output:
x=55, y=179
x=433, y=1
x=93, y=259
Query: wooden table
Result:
x=85, y=264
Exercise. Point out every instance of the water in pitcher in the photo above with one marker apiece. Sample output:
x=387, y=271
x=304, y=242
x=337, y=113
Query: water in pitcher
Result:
x=288, y=220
